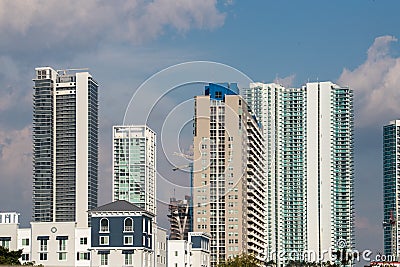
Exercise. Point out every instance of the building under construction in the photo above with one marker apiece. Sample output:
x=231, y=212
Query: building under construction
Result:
x=180, y=218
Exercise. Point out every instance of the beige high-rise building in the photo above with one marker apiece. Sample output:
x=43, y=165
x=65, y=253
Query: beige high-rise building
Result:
x=229, y=185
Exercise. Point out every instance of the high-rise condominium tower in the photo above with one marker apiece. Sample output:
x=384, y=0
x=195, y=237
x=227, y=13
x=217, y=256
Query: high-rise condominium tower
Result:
x=65, y=145
x=308, y=135
x=134, y=166
x=229, y=184
x=391, y=187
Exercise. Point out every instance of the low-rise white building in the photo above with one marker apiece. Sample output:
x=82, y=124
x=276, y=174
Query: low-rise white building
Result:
x=161, y=247
x=179, y=253
x=194, y=252
x=9, y=223
x=200, y=249
x=60, y=244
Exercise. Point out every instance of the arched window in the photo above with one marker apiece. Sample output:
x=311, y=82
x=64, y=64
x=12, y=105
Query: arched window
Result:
x=128, y=225
x=104, y=225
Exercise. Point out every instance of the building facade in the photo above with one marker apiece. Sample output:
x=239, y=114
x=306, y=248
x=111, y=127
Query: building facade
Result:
x=134, y=166
x=122, y=235
x=391, y=187
x=308, y=135
x=60, y=244
x=65, y=145
x=229, y=184
x=9, y=224
x=200, y=243
x=179, y=218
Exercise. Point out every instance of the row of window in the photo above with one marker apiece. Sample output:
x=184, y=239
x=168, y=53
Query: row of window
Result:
x=104, y=259
x=105, y=240
x=105, y=226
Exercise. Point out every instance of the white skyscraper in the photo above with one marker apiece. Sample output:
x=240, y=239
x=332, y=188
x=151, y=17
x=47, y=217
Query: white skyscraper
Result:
x=309, y=139
x=65, y=145
x=134, y=165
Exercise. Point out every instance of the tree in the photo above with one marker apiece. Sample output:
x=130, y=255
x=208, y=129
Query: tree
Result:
x=9, y=257
x=244, y=260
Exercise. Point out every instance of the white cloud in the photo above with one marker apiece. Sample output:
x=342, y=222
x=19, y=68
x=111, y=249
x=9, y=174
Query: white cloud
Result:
x=133, y=21
x=376, y=84
x=286, y=81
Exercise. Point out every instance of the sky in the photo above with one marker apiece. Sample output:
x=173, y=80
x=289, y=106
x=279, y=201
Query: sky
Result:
x=123, y=43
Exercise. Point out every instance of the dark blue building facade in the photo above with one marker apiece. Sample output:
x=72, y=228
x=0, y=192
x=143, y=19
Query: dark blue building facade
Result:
x=121, y=224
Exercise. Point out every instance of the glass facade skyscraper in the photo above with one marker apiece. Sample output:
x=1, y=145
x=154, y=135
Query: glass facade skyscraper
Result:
x=391, y=187
x=134, y=165
x=65, y=145
x=308, y=135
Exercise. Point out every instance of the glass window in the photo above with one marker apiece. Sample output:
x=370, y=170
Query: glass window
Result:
x=5, y=243
x=83, y=256
x=43, y=245
x=104, y=259
x=104, y=225
x=25, y=257
x=103, y=240
x=25, y=241
x=62, y=256
x=43, y=256
x=128, y=240
x=128, y=259
x=62, y=245
x=128, y=225
x=83, y=241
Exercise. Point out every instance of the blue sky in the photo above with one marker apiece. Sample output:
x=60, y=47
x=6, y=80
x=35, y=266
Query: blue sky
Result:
x=123, y=43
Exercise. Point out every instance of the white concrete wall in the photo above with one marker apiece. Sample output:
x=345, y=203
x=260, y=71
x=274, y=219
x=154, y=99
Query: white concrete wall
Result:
x=312, y=167
x=10, y=230
x=160, y=248
x=82, y=150
x=25, y=233
x=179, y=253
x=82, y=248
x=45, y=229
x=326, y=177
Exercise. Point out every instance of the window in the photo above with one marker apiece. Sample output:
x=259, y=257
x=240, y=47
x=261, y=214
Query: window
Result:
x=176, y=253
x=43, y=256
x=218, y=94
x=5, y=243
x=25, y=241
x=83, y=240
x=128, y=240
x=62, y=256
x=128, y=225
x=103, y=259
x=62, y=244
x=81, y=256
x=103, y=240
x=25, y=257
x=43, y=245
x=104, y=225
x=128, y=259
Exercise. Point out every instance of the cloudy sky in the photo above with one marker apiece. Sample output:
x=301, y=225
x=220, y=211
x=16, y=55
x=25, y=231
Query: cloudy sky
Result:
x=125, y=42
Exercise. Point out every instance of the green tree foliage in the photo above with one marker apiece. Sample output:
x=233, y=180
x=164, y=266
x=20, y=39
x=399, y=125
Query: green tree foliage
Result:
x=244, y=260
x=9, y=257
